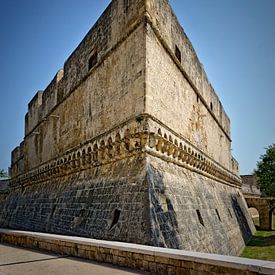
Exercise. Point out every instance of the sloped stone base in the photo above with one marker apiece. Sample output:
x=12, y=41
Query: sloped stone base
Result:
x=193, y=212
x=140, y=199
x=107, y=202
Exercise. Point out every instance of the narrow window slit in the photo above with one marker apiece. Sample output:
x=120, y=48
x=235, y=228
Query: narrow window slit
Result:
x=115, y=218
x=92, y=60
x=200, y=217
x=218, y=215
x=177, y=53
x=126, y=5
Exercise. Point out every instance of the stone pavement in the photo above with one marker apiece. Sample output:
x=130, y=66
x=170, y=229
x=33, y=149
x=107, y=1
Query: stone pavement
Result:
x=157, y=260
x=21, y=261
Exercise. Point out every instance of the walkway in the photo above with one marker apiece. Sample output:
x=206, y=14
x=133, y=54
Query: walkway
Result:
x=14, y=260
x=157, y=260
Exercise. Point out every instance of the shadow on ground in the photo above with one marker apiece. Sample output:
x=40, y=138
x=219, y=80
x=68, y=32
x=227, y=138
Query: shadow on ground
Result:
x=262, y=241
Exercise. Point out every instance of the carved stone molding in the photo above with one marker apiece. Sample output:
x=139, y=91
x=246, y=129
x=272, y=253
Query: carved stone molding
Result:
x=143, y=134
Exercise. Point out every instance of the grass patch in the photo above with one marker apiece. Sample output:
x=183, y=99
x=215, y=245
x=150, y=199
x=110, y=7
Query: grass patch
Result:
x=261, y=246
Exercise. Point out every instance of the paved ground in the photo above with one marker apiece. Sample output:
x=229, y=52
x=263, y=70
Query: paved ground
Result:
x=20, y=261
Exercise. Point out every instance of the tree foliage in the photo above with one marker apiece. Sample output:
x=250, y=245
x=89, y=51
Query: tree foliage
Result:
x=3, y=174
x=265, y=171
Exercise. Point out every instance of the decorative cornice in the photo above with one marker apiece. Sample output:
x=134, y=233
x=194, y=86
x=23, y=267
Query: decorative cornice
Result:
x=170, y=146
x=142, y=134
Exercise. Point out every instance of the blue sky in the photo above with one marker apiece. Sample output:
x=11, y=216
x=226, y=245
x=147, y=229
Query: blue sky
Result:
x=234, y=39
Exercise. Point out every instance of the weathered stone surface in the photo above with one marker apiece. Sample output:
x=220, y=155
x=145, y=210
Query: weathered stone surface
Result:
x=85, y=203
x=156, y=260
x=130, y=142
x=176, y=196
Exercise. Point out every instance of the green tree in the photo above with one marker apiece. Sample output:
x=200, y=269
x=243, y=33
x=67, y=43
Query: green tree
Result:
x=3, y=174
x=265, y=171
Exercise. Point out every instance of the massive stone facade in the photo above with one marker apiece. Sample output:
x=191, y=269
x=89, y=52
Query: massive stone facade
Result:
x=130, y=142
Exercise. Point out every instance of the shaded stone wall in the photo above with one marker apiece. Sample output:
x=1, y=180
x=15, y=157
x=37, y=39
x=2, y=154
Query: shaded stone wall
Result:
x=192, y=212
x=106, y=202
x=4, y=189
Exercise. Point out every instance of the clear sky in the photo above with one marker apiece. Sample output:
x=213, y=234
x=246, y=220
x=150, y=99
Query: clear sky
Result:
x=234, y=39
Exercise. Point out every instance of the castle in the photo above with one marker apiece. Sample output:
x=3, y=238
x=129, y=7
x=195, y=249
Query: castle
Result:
x=130, y=142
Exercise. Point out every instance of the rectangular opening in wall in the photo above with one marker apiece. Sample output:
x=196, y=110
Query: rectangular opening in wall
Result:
x=230, y=213
x=126, y=5
x=200, y=217
x=218, y=215
x=177, y=53
x=92, y=60
x=115, y=218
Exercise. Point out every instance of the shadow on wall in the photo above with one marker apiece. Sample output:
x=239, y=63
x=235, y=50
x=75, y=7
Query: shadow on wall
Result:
x=241, y=218
x=164, y=232
x=8, y=209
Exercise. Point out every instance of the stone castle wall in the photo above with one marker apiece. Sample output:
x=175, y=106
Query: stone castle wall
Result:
x=192, y=212
x=178, y=92
x=142, y=184
x=44, y=122
x=171, y=34
x=98, y=202
x=129, y=142
x=81, y=103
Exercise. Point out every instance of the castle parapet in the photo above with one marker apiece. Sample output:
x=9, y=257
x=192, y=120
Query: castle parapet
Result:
x=34, y=112
x=235, y=166
x=17, y=160
x=15, y=155
x=100, y=41
x=42, y=104
x=49, y=97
